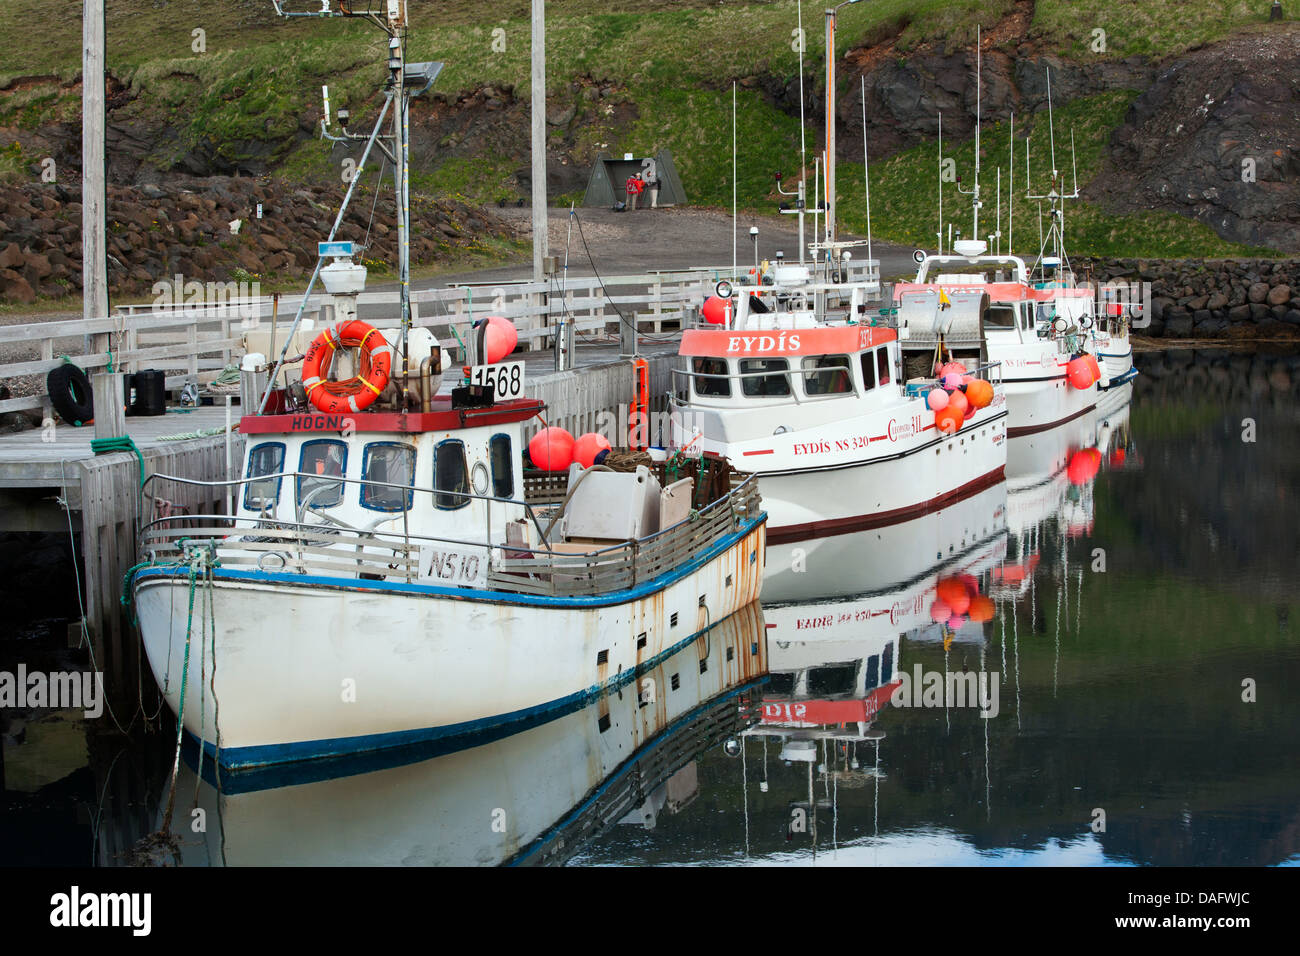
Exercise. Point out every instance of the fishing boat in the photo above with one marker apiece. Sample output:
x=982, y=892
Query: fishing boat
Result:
x=388, y=574
x=971, y=307
x=820, y=413
x=1060, y=342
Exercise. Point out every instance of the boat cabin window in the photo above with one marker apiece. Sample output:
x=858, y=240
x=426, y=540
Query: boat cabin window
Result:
x=450, y=474
x=882, y=366
x=1000, y=317
x=265, y=459
x=765, y=386
x=868, y=371
x=831, y=680
x=503, y=475
x=873, y=672
x=325, y=458
x=389, y=463
x=826, y=375
x=711, y=386
x=887, y=664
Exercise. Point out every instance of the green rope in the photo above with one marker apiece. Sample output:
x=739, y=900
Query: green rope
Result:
x=229, y=376
x=107, y=446
x=202, y=433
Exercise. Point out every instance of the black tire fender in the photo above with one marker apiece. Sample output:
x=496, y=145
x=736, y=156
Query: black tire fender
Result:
x=70, y=394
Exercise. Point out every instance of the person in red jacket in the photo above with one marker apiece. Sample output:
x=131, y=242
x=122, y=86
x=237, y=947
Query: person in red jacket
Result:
x=634, y=187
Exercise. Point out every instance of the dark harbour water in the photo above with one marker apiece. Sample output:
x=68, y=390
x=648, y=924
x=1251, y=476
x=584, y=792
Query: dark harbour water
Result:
x=1119, y=691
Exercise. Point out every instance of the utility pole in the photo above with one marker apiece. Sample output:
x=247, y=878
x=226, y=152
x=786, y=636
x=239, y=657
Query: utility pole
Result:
x=94, y=256
x=539, y=140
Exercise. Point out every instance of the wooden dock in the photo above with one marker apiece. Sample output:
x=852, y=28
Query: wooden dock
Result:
x=52, y=480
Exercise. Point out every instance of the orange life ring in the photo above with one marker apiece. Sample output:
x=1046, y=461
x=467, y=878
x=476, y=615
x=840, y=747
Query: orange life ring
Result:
x=358, y=392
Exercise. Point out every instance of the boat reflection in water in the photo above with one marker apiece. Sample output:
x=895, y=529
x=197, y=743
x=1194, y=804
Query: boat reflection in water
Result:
x=839, y=612
x=850, y=620
x=532, y=797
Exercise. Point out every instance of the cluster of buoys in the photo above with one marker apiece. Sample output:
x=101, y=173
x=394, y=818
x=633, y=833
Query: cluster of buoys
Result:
x=716, y=310
x=957, y=397
x=958, y=600
x=500, y=338
x=554, y=449
x=1083, y=370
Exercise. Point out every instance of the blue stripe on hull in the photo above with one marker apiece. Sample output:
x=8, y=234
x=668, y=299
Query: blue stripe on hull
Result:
x=1123, y=379
x=404, y=746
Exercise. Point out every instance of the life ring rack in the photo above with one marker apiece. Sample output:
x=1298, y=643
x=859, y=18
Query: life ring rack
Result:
x=358, y=392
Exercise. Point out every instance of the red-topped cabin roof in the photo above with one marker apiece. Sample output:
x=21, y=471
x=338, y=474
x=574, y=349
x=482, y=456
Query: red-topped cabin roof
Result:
x=836, y=340
x=442, y=418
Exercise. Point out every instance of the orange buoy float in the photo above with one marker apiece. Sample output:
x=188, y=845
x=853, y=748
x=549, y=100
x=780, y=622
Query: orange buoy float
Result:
x=500, y=338
x=949, y=418
x=587, y=449
x=953, y=593
x=1092, y=364
x=959, y=401
x=982, y=609
x=1084, y=465
x=359, y=391
x=979, y=393
x=1079, y=374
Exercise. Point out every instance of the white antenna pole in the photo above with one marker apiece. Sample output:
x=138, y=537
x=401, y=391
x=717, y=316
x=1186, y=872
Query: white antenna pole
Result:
x=1074, y=162
x=1051, y=126
x=541, y=225
x=803, y=146
x=998, y=229
x=941, y=182
x=866, y=164
x=817, y=200
x=93, y=171
x=734, y=207
x=975, y=201
x=1011, y=190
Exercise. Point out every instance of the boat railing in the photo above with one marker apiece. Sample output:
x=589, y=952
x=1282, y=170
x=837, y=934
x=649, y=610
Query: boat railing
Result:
x=634, y=562
x=336, y=549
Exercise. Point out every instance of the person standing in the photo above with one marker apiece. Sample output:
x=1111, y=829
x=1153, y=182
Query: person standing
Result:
x=633, y=190
x=652, y=183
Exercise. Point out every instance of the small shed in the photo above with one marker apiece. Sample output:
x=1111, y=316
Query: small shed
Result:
x=608, y=176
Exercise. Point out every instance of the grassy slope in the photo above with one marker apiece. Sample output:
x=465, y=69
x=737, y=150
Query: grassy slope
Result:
x=674, y=59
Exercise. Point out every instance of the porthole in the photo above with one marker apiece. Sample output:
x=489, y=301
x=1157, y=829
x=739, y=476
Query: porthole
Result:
x=479, y=478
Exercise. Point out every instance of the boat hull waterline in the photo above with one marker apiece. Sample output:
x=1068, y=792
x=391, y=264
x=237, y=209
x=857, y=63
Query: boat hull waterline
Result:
x=284, y=676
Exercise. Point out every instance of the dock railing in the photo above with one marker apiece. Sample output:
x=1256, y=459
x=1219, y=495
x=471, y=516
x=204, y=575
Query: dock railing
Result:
x=194, y=341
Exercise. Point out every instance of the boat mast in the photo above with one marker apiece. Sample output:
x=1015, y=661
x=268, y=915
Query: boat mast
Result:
x=394, y=23
x=831, y=234
x=974, y=193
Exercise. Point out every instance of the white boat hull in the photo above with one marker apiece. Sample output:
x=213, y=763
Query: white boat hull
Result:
x=301, y=668
x=482, y=805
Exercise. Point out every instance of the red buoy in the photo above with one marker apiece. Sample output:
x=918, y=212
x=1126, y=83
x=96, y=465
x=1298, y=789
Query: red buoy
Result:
x=716, y=310
x=587, y=447
x=551, y=449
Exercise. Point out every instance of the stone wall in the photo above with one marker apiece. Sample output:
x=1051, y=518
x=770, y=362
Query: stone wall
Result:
x=157, y=232
x=1212, y=298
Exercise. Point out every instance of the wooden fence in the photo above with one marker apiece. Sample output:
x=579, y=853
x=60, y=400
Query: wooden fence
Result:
x=188, y=340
